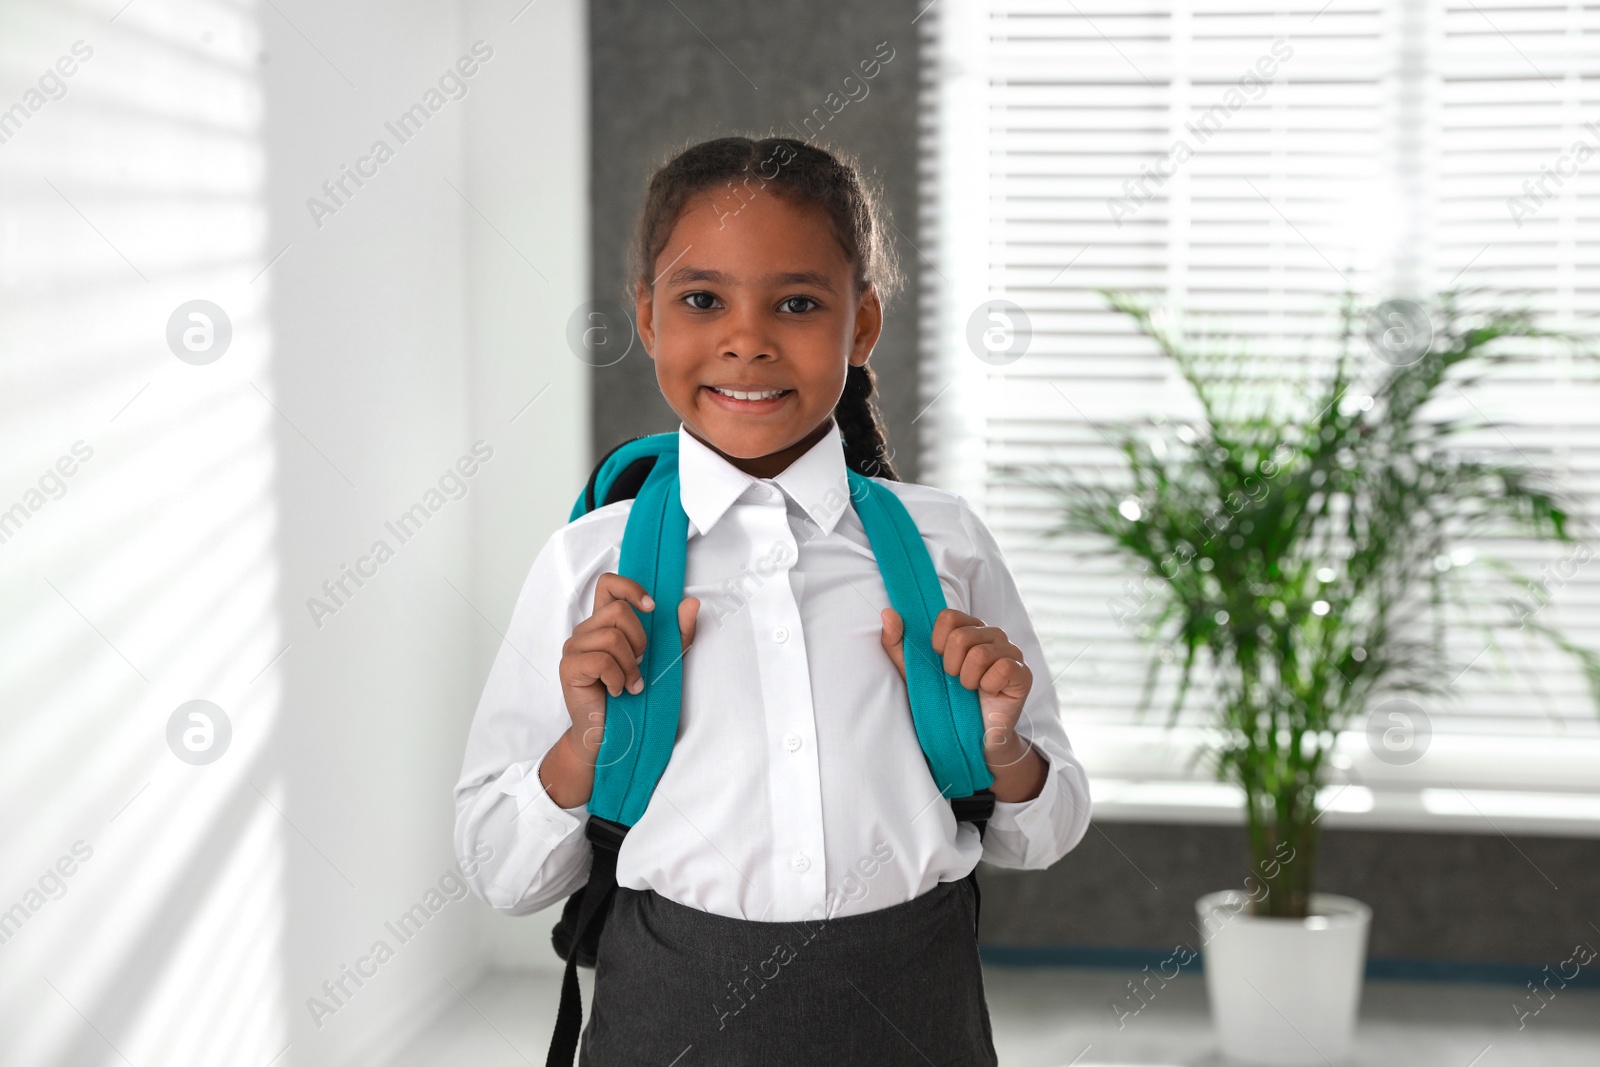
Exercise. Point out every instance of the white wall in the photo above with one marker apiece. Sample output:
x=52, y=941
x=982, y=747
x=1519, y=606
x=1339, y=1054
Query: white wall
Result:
x=528, y=159
x=207, y=903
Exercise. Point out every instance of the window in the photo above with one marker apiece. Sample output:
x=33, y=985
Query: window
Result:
x=1246, y=163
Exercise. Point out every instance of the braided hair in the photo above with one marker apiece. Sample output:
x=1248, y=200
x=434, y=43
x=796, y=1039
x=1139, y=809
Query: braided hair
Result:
x=809, y=174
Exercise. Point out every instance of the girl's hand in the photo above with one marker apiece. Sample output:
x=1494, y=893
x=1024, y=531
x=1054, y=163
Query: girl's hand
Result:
x=602, y=655
x=982, y=657
x=986, y=660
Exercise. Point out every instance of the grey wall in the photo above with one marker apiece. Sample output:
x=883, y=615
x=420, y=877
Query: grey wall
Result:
x=664, y=76
x=1464, y=898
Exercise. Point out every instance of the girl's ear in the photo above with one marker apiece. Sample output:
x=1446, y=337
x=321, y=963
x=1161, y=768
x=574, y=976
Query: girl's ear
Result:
x=869, y=325
x=644, y=315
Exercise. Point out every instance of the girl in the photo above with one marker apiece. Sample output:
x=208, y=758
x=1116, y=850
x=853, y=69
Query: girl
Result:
x=796, y=890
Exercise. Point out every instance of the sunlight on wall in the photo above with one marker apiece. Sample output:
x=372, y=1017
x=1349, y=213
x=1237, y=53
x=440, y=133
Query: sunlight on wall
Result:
x=140, y=894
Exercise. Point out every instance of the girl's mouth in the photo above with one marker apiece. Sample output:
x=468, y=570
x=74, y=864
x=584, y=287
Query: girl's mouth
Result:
x=748, y=401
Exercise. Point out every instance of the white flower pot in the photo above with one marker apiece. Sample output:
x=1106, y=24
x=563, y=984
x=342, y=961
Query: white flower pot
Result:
x=1284, y=991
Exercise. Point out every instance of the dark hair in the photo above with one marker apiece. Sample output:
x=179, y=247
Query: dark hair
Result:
x=808, y=174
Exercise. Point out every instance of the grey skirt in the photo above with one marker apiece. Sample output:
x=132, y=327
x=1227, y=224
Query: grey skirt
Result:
x=679, y=987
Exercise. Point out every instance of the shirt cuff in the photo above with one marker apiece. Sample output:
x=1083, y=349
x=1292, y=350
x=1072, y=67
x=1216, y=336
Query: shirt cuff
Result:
x=536, y=812
x=1032, y=818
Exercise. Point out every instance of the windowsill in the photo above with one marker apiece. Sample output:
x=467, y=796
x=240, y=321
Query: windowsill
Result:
x=1487, y=785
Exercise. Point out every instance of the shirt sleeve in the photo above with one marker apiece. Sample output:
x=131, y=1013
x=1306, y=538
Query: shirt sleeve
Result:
x=1031, y=833
x=520, y=851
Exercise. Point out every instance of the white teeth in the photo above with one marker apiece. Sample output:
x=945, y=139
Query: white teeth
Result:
x=765, y=394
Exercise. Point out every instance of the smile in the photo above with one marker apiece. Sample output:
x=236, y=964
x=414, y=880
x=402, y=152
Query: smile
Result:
x=749, y=394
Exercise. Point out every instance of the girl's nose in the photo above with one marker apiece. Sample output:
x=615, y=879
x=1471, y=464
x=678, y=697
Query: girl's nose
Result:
x=748, y=336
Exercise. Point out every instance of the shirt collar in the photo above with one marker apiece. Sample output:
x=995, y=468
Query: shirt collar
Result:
x=817, y=481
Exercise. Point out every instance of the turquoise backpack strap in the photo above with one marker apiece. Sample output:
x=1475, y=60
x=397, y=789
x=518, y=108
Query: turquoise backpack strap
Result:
x=620, y=472
x=948, y=721
x=642, y=727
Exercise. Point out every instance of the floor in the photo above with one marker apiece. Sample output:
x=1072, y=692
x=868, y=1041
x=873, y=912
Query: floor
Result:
x=1059, y=1017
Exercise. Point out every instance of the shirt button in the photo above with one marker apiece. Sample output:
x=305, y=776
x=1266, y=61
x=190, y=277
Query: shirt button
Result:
x=791, y=742
x=801, y=862
x=780, y=635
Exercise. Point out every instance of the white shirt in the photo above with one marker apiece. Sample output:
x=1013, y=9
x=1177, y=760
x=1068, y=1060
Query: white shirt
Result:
x=796, y=787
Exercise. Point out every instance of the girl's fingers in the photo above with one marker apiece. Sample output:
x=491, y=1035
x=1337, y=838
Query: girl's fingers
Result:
x=619, y=615
x=976, y=661
x=585, y=669
x=688, y=618
x=946, y=622
x=610, y=642
x=964, y=639
x=615, y=587
x=616, y=630
x=979, y=659
x=968, y=648
x=893, y=637
x=1007, y=678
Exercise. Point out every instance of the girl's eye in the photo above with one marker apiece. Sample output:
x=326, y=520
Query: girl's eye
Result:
x=694, y=301
x=788, y=304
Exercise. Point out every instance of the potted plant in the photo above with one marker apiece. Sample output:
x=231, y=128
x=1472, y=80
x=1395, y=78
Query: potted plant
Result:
x=1295, y=538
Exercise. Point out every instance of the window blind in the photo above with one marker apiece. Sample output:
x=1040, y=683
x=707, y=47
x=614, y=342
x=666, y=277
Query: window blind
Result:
x=1244, y=163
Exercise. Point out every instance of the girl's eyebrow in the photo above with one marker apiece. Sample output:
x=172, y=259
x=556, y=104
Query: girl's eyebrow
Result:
x=703, y=274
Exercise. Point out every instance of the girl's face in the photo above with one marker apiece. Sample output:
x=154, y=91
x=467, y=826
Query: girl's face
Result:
x=752, y=320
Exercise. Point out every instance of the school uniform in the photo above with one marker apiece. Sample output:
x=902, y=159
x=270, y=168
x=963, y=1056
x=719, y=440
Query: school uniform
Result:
x=796, y=889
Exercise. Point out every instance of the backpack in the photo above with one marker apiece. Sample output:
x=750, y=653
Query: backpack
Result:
x=640, y=728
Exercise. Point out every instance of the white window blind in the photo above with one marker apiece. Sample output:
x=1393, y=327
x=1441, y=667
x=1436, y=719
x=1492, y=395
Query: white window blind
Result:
x=1244, y=163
